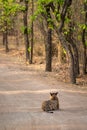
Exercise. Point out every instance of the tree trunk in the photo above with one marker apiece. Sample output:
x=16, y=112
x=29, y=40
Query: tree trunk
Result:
x=6, y=38
x=84, y=53
x=71, y=40
x=84, y=62
x=6, y=43
x=76, y=60
x=75, y=56
x=84, y=41
x=68, y=49
x=26, y=46
x=48, y=44
x=26, y=30
x=72, y=67
x=32, y=36
x=48, y=49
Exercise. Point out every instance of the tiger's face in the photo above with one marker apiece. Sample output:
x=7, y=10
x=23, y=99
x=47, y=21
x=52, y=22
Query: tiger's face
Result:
x=53, y=95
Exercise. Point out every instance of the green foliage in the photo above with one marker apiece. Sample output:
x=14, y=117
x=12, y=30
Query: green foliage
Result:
x=86, y=43
x=85, y=1
x=58, y=16
x=79, y=37
x=8, y=11
x=24, y=29
x=42, y=5
x=29, y=49
x=67, y=20
x=66, y=32
x=83, y=26
x=64, y=51
x=49, y=1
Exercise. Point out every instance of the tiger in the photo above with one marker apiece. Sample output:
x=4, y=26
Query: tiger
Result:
x=52, y=104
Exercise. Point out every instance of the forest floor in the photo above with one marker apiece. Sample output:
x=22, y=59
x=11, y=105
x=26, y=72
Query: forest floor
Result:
x=60, y=72
x=24, y=87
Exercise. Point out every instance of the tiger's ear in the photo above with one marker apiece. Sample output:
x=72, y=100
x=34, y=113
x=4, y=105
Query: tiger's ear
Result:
x=51, y=94
x=56, y=93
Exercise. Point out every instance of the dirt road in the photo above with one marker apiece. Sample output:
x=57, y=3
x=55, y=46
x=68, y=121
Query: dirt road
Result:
x=21, y=94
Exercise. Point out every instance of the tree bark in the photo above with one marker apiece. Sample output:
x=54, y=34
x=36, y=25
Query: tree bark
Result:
x=84, y=41
x=48, y=44
x=6, y=37
x=48, y=49
x=76, y=59
x=70, y=38
x=72, y=67
x=84, y=53
x=68, y=49
x=7, y=49
x=32, y=36
x=26, y=30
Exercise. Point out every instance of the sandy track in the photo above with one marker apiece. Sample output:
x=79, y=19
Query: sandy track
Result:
x=21, y=95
